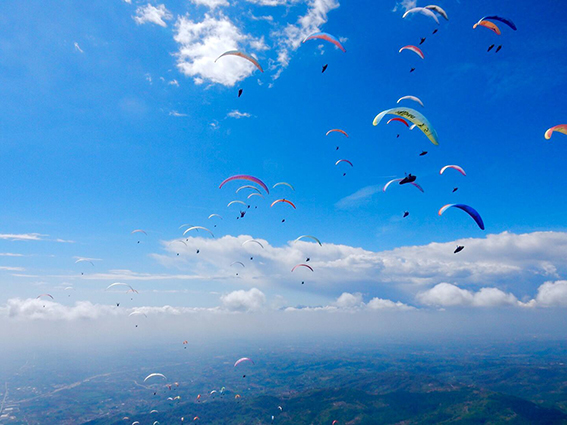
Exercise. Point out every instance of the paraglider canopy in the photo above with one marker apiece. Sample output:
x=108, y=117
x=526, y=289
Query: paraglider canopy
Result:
x=468, y=209
x=327, y=37
x=242, y=55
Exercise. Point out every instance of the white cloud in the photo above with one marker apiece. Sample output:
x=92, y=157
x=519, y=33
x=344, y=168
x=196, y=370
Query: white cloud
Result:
x=200, y=43
x=252, y=300
x=176, y=114
x=128, y=1
x=173, y=83
x=552, y=294
x=35, y=309
x=9, y=254
x=211, y=4
x=13, y=269
x=382, y=304
x=78, y=48
x=23, y=236
x=152, y=14
x=272, y=2
x=293, y=35
x=405, y=5
x=449, y=295
x=359, y=197
x=347, y=300
x=237, y=114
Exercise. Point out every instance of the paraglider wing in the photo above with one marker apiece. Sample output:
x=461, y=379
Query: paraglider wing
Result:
x=455, y=167
x=238, y=262
x=310, y=237
x=136, y=313
x=399, y=120
x=45, y=295
x=302, y=265
x=112, y=285
x=215, y=215
x=252, y=240
x=242, y=55
x=236, y=202
x=80, y=260
x=254, y=194
x=417, y=186
x=337, y=130
x=487, y=24
x=247, y=186
x=561, y=128
x=414, y=98
x=242, y=360
x=344, y=160
x=283, y=184
x=327, y=37
x=197, y=228
x=414, y=117
x=285, y=201
x=438, y=10
x=153, y=375
x=138, y=231
x=245, y=177
x=501, y=19
x=389, y=183
x=469, y=210
x=414, y=49
x=423, y=11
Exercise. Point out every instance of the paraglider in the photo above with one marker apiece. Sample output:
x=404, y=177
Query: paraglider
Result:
x=423, y=11
x=327, y=37
x=454, y=167
x=254, y=241
x=239, y=92
x=283, y=201
x=44, y=295
x=215, y=215
x=255, y=194
x=242, y=360
x=324, y=68
x=498, y=48
x=561, y=128
x=237, y=262
x=399, y=120
x=406, y=213
x=344, y=160
x=414, y=98
x=435, y=31
x=154, y=375
x=487, y=24
x=421, y=40
x=80, y=260
x=411, y=70
x=459, y=249
x=500, y=19
x=490, y=48
x=245, y=177
x=248, y=186
x=439, y=10
x=198, y=228
x=455, y=189
x=414, y=49
x=469, y=210
x=336, y=130
x=112, y=285
x=423, y=153
x=399, y=180
x=236, y=202
x=310, y=237
x=302, y=265
x=242, y=55
x=414, y=117
x=283, y=184
x=138, y=231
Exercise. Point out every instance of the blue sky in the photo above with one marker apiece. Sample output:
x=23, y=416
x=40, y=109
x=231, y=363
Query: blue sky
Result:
x=114, y=118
